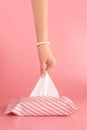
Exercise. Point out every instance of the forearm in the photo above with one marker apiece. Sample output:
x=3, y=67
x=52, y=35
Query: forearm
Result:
x=40, y=13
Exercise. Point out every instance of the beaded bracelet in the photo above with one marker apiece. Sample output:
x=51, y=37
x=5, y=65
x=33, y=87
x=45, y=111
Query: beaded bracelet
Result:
x=41, y=43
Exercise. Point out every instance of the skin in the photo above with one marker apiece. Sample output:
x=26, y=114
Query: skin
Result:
x=46, y=57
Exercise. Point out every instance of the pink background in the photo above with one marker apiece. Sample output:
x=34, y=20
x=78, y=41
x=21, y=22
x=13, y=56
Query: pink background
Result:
x=19, y=64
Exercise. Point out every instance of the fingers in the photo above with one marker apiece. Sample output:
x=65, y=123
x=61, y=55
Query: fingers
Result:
x=49, y=67
x=46, y=67
x=43, y=69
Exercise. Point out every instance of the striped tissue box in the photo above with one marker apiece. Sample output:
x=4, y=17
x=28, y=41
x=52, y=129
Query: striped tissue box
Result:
x=41, y=106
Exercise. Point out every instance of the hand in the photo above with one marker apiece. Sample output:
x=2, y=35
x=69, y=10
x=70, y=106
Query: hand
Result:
x=47, y=60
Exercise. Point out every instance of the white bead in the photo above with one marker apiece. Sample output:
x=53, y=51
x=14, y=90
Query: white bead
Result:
x=43, y=42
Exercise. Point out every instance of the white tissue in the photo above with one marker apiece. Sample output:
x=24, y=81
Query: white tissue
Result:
x=45, y=87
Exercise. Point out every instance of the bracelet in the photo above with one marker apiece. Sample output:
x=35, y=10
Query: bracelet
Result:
x=41, y=43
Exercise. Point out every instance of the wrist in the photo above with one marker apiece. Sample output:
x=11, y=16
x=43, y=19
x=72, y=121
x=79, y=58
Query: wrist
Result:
x=42, y=43
x=43, y=46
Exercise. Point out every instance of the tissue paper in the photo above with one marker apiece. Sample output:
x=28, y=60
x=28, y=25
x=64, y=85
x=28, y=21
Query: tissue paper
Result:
x=44, y=100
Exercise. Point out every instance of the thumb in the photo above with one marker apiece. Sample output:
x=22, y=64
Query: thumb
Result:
x=43, y=69
x=49, y=67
